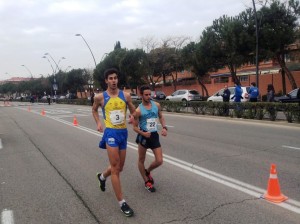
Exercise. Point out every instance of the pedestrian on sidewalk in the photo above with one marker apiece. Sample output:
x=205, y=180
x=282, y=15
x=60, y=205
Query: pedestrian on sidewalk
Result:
x=253, y=92
x=226, y=98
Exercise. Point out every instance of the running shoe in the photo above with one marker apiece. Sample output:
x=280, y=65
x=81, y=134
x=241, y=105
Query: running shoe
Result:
x=149, y=176
x=149, y=187
x=126, y=210
x=101, y=182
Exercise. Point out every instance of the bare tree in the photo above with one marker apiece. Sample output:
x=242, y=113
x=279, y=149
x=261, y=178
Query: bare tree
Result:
x=148, y=43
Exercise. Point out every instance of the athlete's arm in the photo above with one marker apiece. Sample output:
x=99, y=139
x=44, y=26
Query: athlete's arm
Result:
x=131, y=107
x=162, y=121
x=97, y=103
x=136, y=124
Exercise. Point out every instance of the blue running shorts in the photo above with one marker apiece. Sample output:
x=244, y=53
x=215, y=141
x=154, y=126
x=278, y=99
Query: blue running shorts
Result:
x=114, y=138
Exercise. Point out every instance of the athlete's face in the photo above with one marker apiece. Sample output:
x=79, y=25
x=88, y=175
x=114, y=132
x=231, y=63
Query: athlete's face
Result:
x=112, y=81
x=146, y=95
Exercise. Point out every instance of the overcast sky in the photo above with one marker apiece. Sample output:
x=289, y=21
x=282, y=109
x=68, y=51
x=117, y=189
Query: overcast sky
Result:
x=31, y=28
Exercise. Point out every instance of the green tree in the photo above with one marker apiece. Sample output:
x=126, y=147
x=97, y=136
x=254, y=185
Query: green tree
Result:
x=278, y=29
x=231, y=36
x=134, y=67
x=163, y=61
x=112, y=60
x=76, y=80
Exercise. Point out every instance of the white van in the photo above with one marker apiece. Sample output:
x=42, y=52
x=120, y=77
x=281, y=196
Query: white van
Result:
x=217, y=97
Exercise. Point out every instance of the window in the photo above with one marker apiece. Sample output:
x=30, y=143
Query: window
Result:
x=221, y=80
x=244, y=78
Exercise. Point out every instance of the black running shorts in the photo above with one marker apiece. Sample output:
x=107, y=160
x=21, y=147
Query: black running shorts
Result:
x=152, y=142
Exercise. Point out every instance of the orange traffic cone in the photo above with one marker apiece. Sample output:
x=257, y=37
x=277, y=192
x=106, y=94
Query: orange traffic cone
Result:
x=273, y=193
x=43, y=112
x=75, y=123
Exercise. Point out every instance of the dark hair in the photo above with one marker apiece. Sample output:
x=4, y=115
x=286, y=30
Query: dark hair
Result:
x=143, y=88
x=271, y=87
x=110, y=71
x=253, y=84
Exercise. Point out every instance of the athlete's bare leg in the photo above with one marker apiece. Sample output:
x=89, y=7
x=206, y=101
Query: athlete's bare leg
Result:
x=141, y=161
x=117, y=160
x=158, y=159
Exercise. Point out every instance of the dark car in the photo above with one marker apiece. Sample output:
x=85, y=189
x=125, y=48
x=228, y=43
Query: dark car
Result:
x=158, y=95
x=71, y=96
x=291, y=97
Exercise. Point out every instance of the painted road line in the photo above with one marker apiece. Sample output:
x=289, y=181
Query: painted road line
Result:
x=290, y=204
x=290, y=147
x=7, y=217
x=1, y=146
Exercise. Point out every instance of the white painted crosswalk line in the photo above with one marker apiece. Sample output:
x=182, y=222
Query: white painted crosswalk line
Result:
x=7, y=217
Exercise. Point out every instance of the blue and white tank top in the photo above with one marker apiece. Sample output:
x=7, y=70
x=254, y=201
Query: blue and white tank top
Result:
x=148, y=118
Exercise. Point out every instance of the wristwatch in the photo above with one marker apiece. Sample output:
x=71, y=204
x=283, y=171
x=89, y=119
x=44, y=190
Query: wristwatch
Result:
x=164, y=127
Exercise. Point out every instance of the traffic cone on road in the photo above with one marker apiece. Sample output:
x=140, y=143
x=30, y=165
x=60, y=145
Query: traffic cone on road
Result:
x=273, y=192
x=43, y=112
x=75, y=123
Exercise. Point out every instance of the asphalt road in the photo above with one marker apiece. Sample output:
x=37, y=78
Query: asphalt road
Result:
x=215, y=170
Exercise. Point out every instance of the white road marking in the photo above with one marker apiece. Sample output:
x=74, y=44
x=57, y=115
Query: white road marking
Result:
x=290, y=204
x=7, y=217
x=290, y=147
x=71, y=115
x=1, y=146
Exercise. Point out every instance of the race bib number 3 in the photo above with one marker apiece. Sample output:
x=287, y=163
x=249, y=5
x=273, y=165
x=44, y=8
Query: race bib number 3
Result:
x=117, y=117
x=151, y=124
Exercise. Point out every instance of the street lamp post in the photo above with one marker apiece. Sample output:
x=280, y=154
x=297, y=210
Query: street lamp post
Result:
x=55, y=86
x=52, y=60
x=62, y=58
x=256, y=32
x=69, y=67
x=88, y=47
x=78, y=34
x=28, y=70
x=49, y=63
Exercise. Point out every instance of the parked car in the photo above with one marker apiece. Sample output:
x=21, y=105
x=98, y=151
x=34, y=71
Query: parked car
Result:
x=158, y=95
x=71, y=96
x=134, y=96
x=291, y=97
x=217, y=97
x=61, y=97
x=185, y=96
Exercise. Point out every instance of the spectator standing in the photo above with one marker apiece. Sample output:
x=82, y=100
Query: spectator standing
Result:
x=298, y=96
x=226, y=98
x=49, y=99
x=237, y=93
x=253, y=92
x=92, y=97
x=270, y=93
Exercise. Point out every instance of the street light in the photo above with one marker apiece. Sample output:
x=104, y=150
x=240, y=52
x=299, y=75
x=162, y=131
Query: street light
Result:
x=28, y=70
x=256, y=31
x=52, y=60
x=55, y=86
x=88, y=47
x=49, y=63
x=62, y=58
x=105, y=54
x=68, y=68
